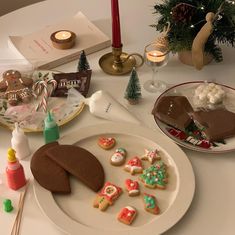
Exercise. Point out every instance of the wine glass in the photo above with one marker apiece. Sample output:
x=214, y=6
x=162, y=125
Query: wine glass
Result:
x=155, y=56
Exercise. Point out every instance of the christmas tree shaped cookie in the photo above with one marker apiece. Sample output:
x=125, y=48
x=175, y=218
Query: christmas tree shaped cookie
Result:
x=155, y=176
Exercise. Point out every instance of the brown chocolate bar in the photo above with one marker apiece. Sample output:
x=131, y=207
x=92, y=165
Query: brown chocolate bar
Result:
x=78, y=80
x=217, y=124
x=174, y=111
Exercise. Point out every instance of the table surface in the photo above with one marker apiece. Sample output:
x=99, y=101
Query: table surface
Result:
x=213, y=208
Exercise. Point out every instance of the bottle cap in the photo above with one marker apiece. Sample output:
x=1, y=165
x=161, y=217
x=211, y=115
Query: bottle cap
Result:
x=49, y=121
x=7, y=205
x=17, y=132
x=11, y=155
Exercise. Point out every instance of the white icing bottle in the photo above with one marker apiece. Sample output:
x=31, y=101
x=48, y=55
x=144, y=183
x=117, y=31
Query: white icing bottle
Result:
x=20, y=143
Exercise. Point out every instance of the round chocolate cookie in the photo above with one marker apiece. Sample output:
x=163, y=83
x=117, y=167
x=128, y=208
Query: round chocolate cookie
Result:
x=48, y=173
x=80, y=163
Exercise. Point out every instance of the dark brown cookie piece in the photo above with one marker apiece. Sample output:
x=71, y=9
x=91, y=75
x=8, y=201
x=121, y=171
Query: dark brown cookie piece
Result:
x=48, y=173
x=80, y=163
x=174, y=111
x=217, y=124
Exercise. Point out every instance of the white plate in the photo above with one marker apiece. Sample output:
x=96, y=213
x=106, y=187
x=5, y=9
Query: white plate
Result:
x=62, y=112
x=74, y=214
x=187, y=89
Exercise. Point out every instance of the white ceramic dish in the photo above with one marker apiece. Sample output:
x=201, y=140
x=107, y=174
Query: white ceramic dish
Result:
x=74, y=214
x=187, y=89
x=62, y=112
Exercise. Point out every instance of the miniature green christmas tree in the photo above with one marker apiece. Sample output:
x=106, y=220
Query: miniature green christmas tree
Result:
x=83, y=63
x=133, y=90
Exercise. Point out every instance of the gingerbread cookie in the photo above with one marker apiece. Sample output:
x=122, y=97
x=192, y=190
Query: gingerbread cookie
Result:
x=151, y=155
x=150, y=204
x=119, y=157
x=16, y=87
x=106, y=143
x=132, y=187
x=155, y=176
x=107, y=196
x=127, y=215
x=134, y=166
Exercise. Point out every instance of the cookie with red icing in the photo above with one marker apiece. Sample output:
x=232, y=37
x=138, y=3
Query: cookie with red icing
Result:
x=127, y=215
x=106, y=197
x=132, y=187
x=155, y=176
x=119, y=157
x=150, y=204
x=106, y=142
x=134, y=166
x=151, y=155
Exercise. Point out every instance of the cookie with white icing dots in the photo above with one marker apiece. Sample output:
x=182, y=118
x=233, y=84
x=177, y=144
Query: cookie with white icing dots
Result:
x=119, y=157
x=134, y=166
x=127, y=215
x=106, y=142
x=106, y=197
x=132, y=187
x=151, y=155
x=150, y=204
x=155, y=176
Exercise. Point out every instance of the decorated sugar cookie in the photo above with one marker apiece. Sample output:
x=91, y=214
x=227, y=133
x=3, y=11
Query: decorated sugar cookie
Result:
x=155, y=176
x=134, y=166
x=106, y=142
x=132, y=187
x=151, y=155
x=127, y=215
x=119, y=157
x=107, y=196
x=150, y=204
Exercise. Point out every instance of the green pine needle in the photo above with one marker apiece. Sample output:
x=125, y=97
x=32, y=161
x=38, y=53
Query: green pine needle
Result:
x=181, y=35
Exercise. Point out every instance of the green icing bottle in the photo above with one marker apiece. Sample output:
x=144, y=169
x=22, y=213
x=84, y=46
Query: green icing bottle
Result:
x=51, y=129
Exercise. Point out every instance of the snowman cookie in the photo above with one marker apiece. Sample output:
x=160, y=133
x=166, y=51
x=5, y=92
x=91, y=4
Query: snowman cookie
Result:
x=119, y=157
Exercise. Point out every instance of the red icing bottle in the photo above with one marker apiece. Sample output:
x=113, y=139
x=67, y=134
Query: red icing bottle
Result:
x=14, y=171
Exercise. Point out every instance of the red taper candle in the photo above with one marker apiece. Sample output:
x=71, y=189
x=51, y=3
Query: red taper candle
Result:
x=116, y=32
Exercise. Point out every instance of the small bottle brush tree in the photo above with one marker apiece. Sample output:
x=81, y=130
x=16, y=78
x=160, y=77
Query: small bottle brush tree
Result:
x=83, y=64
x=133, y=90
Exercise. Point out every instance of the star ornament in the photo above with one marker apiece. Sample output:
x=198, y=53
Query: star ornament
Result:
x=151, y=155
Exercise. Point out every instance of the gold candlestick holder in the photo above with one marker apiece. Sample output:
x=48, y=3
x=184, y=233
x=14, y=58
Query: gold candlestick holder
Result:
x=118, y=62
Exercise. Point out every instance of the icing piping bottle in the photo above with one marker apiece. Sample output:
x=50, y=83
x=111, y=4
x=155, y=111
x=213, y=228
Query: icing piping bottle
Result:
x=51, y=129
x=20, y=143
x=102, y=104
x=14, y=171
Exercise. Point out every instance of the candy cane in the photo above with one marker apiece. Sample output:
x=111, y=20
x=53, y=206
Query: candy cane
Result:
x=53, y=82
x=45, y=95
x=41, y=87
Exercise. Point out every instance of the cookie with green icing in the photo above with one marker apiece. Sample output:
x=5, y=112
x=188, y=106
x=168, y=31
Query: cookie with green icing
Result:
x=155, y=176
x=150, y=204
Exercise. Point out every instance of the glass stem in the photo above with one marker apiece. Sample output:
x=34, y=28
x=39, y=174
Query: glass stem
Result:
x=154, y=77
